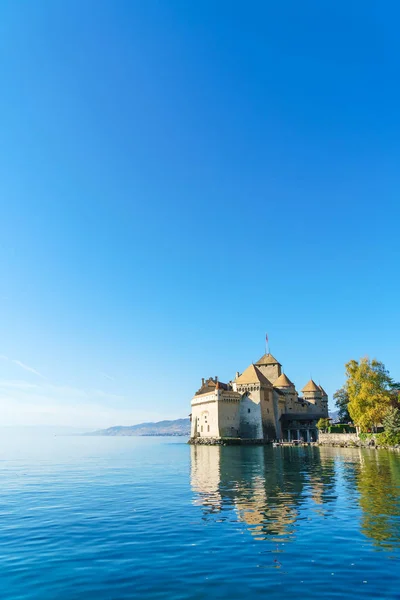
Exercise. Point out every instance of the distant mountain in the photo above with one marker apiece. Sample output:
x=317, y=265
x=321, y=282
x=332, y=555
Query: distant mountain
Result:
x=334, y=414
x=177, y=427
x=42, y=430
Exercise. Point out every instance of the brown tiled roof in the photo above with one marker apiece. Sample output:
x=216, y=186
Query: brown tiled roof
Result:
x=322, y=390
x=210, y=385
x=283, y=381
x=252, y=375
x=311, y=386
x=267, y=359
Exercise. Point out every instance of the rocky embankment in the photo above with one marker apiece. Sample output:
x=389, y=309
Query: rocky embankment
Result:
x=226, y=442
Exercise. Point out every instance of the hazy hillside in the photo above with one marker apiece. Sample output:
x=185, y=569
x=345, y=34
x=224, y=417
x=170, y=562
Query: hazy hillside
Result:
x=177, y=427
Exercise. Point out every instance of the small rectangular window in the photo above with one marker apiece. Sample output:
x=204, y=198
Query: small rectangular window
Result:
x=248, y=410
x=208, y=428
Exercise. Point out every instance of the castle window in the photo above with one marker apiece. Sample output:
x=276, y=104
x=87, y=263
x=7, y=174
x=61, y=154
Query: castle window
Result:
x=208, y=429
x=248, y=410
x=202, y=429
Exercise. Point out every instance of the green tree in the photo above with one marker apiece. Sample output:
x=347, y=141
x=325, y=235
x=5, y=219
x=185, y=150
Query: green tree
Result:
x=323, y=424
x=369, y=389
x=341, y=398
x=391, y=423
x=395, y=394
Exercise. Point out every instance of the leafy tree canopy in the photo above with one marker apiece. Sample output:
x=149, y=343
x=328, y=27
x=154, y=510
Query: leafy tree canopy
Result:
x=395, y=394
x=369, y=388
x=323, y=424
x=341, y=398
x=391, y=421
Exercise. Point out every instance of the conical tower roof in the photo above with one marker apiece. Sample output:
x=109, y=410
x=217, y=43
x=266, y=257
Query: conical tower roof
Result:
x=311, y=386
x=252, y=375
x=283, y=381
x=322, y=390
x=267, y=359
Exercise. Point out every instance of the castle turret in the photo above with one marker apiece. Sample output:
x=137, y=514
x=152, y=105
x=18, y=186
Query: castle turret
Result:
x=252, y=379
x=283, y=382
x=324, y=401
x=311, y=392
x=270, y=367
x=255, y=388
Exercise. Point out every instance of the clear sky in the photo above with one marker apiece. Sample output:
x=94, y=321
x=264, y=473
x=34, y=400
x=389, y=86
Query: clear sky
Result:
x=178, y=178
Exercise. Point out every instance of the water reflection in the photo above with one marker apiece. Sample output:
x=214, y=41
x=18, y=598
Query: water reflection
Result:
x=272, y=491
x=379, y=488
x=262, y=487
x=375, y=476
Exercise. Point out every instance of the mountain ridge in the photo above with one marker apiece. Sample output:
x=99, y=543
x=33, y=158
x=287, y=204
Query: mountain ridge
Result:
x=176, y=427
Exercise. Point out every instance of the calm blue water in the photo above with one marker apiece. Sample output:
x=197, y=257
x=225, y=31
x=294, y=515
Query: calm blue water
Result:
x=84, y=517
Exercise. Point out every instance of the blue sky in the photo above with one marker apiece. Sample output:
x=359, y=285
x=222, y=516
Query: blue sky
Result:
x=178, y=179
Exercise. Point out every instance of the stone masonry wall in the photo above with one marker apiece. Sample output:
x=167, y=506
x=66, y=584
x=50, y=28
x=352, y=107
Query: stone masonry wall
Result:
x=337, y=438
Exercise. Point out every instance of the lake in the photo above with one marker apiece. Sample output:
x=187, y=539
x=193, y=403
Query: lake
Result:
x=151, y=518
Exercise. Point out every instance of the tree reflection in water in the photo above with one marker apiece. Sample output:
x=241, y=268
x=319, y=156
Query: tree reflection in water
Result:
x=378, y=483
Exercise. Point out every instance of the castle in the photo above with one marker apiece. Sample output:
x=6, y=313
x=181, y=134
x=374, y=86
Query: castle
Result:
x=259, y=404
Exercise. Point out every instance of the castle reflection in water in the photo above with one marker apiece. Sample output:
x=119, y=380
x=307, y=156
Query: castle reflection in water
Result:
x=272, y=490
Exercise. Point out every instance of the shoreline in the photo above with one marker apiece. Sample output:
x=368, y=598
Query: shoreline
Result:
x=351, y=443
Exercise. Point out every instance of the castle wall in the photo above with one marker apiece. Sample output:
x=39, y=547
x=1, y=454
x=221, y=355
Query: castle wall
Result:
x=317, y=406
x=229, y=415
x=205, y=416
x=268, y=414
x=300, y=407
x=250, y=416
x=313, y=397
x=279, y=409
x=271, y=372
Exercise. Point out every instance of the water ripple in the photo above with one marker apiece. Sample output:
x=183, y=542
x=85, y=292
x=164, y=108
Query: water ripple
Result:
x=146, y=518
